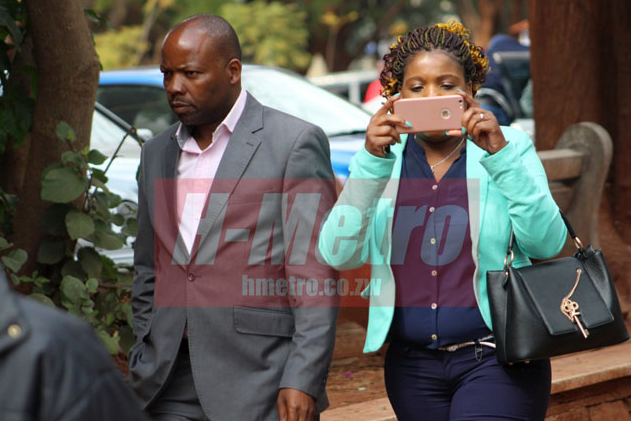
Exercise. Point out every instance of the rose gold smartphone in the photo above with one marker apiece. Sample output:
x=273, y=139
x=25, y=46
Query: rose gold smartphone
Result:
x=430, y=114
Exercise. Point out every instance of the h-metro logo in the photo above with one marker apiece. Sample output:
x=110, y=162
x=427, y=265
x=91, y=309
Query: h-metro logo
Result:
x=226, y=242
x=210, y=235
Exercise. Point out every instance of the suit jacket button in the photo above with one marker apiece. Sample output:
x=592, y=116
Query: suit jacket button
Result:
x=190, y=277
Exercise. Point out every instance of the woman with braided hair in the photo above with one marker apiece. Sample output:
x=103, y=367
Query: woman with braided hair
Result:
x=432, y=212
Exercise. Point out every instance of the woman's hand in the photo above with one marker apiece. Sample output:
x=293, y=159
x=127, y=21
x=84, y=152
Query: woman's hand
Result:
x=382, y=130
x=482, y=126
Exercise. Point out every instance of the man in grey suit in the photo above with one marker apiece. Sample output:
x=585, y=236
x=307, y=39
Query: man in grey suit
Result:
x=220, y=207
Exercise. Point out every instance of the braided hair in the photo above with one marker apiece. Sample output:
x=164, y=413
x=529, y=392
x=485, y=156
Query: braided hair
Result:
x=451, y=37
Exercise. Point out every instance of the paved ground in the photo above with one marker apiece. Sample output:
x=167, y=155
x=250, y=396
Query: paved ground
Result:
x=354, y=377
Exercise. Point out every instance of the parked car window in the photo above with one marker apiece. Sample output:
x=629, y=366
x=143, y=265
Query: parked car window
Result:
x=141, y=106
x=300, y=98
x=106, y=135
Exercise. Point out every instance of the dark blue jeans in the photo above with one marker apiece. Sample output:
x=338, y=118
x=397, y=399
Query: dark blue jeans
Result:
x=430, y=385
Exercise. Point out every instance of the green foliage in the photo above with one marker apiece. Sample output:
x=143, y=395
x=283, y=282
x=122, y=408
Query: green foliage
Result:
x=183, y=9
x=73, y=273
x=77, y=277
x=273, y=34
x=61, y=184
x=122, y=47
x=16, y=109
x=14, y=259
x=15, y=106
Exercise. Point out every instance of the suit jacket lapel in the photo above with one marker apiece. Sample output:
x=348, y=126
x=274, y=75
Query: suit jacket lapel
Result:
x=169, y=184
x=241, y=147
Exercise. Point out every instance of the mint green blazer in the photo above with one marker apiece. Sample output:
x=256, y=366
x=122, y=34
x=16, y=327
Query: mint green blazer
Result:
x=506, y=189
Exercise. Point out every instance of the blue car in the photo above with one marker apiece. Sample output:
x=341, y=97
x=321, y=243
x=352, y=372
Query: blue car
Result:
x=138, y=97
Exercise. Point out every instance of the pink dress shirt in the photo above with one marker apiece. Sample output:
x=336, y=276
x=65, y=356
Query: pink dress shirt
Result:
x=197, y=168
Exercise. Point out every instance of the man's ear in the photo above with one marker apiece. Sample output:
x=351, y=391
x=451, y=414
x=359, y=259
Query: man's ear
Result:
x=234, y=70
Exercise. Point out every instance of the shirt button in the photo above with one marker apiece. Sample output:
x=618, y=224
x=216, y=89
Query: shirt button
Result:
x=432, y=209
x=434, y=272
x=434, y=306
x=434, y=187
x=434, y=337
x=14, y=331
x=190, y=277
x=432, y=241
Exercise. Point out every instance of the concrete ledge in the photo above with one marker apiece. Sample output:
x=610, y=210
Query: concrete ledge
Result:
x=574, y=371
x=583, y=374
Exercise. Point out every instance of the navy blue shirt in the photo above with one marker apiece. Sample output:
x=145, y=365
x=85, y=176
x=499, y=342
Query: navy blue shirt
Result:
x=431, y=255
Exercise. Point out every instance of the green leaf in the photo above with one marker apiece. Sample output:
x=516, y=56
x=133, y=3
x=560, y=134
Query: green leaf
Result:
x=104, y=238
x=14, y=259
x=4, y=244
x=79, y=224
x=15, y=279
x=126, y=309
x=62, y=185
x=99, y=184
x=88, y=311
x=51, y=251
x=73, y=290
x=109, y=270
x=126, y=338
x=40, y=281
x=110, y=342
x=54, y=218
x=92, y=285
x=118, y=219
x=65, y=132
x=114, y=200
x=131, y=227
x=99, y=175
x=72, y=157
x=42, y=299
x=92, y=15
x=96, y=158
x=90, y=261
x=7, y=21
x=73, y=268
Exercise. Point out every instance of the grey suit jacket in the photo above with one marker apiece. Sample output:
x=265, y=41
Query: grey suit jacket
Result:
x=240, y=354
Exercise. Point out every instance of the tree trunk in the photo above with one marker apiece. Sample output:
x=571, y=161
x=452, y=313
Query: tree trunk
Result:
x=571, y=66
x=581, y=71
x=468, y=13
x=490, y=17
x=621, y=185
x=67, y=77
x=344, y=60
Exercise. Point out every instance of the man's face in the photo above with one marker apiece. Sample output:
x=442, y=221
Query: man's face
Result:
x=199, y=80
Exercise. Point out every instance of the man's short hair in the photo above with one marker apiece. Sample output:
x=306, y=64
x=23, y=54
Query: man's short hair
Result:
x=220, y=31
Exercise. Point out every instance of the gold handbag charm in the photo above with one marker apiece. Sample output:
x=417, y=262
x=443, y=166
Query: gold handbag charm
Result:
x=570, y=308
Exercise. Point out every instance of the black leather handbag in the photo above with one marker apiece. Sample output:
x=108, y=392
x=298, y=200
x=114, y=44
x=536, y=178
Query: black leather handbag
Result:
x=555, y=307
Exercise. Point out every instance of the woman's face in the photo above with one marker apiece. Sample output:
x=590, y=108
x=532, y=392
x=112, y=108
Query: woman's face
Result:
x=433, y=73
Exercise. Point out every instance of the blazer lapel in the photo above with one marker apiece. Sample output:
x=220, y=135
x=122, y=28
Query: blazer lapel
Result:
x=169, y=185
x=241, y=147
x=477, y=191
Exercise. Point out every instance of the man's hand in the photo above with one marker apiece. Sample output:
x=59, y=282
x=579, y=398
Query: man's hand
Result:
x=294, y=405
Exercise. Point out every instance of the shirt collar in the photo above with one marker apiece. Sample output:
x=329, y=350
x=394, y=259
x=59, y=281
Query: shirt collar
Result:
x=183, y=132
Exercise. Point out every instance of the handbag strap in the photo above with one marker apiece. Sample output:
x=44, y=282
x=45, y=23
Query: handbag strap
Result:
x=570, y=230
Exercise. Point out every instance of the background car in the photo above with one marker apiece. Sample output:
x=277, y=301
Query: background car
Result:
x=350, y=85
